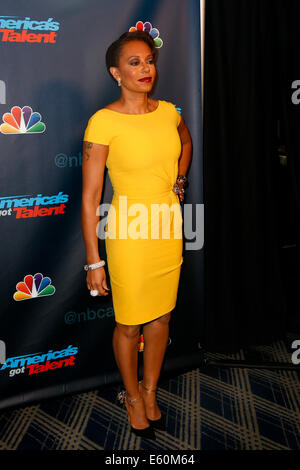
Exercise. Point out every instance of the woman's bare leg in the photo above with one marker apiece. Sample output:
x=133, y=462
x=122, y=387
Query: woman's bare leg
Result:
x=125, y=346
x=156, y=335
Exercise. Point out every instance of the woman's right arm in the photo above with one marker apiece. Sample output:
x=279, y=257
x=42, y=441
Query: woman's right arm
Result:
x=93, y=165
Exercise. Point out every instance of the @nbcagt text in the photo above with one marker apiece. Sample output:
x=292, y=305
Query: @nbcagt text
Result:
x=152, y=459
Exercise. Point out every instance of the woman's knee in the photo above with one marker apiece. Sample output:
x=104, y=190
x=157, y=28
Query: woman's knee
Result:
x=130, y=331
x=163, y=320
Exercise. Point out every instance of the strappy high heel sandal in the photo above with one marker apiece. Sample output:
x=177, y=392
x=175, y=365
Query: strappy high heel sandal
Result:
x=159, y=423
x=145, y=433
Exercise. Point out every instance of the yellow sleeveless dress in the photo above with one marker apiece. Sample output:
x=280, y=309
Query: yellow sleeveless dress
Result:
x=144, y=222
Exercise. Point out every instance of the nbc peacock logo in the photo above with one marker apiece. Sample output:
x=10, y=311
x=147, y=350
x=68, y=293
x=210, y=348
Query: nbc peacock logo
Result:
x=33, y=287
x=22, y=121
x=154, y=33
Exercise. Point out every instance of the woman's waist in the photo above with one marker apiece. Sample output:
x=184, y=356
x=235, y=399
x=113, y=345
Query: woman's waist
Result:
x=145, y=195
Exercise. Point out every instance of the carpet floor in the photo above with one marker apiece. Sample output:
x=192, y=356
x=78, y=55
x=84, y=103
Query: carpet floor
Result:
x=208, y=408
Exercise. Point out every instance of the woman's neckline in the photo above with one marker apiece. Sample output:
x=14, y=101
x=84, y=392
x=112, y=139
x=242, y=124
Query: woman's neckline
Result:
x=139, y=114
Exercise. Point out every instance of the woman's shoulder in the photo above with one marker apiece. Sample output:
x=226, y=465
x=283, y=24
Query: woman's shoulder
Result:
x=100, y=115
x=170, y=104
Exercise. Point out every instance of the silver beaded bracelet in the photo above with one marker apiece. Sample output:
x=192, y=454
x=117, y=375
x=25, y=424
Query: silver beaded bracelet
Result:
x=182, y=179
x=177, y=189
x=90, y=267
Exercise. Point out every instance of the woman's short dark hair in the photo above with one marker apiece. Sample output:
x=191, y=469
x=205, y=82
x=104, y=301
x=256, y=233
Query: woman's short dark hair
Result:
x=114, y=50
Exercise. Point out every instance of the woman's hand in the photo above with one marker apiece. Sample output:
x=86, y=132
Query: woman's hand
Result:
x=181, y=190
x=96, y=280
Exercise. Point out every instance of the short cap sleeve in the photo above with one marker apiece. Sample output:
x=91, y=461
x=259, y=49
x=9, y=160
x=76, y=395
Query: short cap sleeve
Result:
x=98, y=129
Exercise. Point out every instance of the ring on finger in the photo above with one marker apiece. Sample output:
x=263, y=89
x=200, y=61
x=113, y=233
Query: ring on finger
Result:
x=94, y=292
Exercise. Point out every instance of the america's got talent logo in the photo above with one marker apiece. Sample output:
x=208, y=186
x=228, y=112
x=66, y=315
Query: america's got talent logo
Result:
x=14, y=29
x=36, y=363
x=27, y=206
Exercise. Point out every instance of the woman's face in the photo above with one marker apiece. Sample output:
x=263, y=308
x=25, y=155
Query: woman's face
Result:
x=136, y=62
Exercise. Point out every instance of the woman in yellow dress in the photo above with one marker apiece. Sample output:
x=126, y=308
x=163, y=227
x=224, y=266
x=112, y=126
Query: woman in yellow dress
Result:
x=146, y=147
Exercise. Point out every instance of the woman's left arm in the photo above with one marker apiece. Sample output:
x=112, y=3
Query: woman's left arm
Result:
x=186, y=150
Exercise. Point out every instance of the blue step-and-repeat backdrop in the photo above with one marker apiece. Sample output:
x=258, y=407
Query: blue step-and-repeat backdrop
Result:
x=54, y=337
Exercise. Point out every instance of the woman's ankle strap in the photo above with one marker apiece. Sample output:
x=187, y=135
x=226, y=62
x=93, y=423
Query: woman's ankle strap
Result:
x=132, y=400
x=146, y=388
